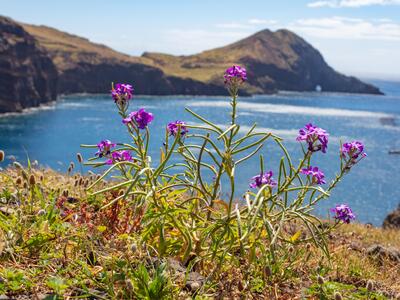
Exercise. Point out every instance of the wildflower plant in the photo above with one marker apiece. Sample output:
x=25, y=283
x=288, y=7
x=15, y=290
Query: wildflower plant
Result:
x=181, y=201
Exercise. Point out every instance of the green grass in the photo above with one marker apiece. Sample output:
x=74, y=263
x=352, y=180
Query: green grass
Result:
x=68, y=246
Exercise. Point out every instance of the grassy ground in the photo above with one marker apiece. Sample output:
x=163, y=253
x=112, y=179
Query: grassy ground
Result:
x=56, y=242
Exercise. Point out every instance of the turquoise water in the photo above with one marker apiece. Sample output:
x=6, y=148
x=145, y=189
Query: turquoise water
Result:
x=52, y=135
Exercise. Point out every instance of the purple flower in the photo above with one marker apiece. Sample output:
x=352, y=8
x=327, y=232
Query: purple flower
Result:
x=104, y=148
x=118, y=156
x=235, y=75
x=317, y=138
x=121, y=92
x=353, y=149
x=141, y=117
x=343, y=213
x=263, y=179
x=173, y=128
x=316, y=174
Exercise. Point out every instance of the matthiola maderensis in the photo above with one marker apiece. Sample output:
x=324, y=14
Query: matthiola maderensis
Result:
x=263, y=179
x=317, y=176
x=187, y=198
x=316, y=138
x=352, y=153
x=141, y=118
x=174, y=127
x=343, y=213
x=234, y=77
x=118, y=156
x=104, y=148
x=121, y=93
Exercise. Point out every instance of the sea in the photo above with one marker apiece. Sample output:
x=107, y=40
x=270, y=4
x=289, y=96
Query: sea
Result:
x=52, y=135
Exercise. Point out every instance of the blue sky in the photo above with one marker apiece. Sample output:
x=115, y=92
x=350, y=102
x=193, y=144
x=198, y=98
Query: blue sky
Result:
x=358, y=37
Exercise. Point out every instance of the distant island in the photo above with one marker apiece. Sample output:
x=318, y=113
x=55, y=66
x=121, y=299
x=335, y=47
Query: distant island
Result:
x=37, y=63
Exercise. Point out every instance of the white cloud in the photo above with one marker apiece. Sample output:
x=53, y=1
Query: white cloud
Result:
x=262, y=22
x=347, y=28
x=233, y=26
x=195, y=40
x=249, y=24
x=351, y=3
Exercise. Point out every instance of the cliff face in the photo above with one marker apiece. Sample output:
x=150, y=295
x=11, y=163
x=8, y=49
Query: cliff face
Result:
x=38, y=62
x=275, y=61
x=278, y=60
x=88, y=67
x=28, y=76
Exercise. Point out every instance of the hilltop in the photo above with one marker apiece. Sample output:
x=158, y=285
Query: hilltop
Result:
x=63, y=63
x=279, y=60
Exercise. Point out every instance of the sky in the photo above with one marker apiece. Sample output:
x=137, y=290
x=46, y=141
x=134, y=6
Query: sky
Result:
x=356, y=37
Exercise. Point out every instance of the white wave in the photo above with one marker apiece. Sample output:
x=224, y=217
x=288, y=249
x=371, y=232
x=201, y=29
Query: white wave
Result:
x=91, y=119
x=293, y=109
x=30, y=110
x=73, y=105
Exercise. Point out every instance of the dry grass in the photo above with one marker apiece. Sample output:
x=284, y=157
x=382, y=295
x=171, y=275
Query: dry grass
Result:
x=78, y=257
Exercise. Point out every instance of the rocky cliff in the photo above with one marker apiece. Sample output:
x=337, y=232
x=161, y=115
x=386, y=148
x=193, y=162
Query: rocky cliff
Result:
x=279, y=60
x=38, y=62
x=28, y=76
x=88, y=67
x=275, y=61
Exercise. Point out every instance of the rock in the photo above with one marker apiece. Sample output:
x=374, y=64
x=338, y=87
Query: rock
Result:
x=28, y=76
x=279, y=60
x=194, y=280
x=86, y=67
x=381, y=252
x=392, y=220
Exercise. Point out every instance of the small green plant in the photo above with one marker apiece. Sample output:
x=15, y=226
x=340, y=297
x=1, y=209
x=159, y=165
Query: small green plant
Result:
x=151, y=286
x=180, y=199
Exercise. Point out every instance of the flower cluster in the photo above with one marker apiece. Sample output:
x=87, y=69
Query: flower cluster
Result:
x=353, y=150
x=121, y=92
x=141, y=118
x=343, y=213
x=316, y=138
x=316, y=174
x=174, y=127
x=104, y=148
x=263, y=179
x=235, y=75
x=118, y=156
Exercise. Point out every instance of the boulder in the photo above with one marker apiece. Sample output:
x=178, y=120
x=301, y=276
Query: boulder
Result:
x=392, y=220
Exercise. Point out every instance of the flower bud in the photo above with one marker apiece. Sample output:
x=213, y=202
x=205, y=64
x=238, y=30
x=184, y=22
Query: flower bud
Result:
x=338, y=296
x=17, y=165
x=32, y=180
x=41, y=212
x=79, y=157
x=72, y=165
x=370, y=285
x=320, y=280
x=291, y=249
x=18, y=181
x=65, y=193
x=267, y=271
x=129, y=285
x=1, y=155
x=308, y=246
x=133, y=247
